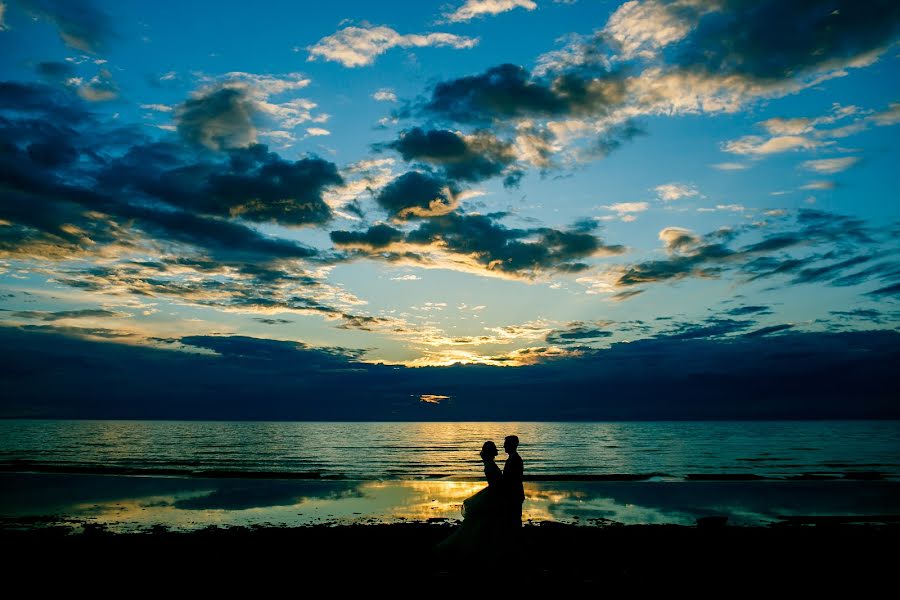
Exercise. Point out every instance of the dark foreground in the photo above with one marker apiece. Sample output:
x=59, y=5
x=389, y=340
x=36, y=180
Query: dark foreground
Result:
x=722, y=559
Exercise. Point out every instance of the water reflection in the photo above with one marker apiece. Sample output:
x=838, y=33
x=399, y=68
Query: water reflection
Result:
x=128, y=503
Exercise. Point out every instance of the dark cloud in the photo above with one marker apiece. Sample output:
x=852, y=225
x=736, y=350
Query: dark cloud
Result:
x=510, y=92
x=709, y=328
x=268, y=321
x=63, y=195
x=219, y=118
x=741, y=311
x=42, y=315
x=252, y=184
x=75, y=187
x=374, y=238
x=55, y=72
x=860, y=314
x=54, y=105
x=773, y=40
x=889, y=290
x=81, y=24
x=848, y=243
x=51, y=373
x=483, y=240
x=474, y=157
x=767, y=330
x=579, y=333
x=415, y=194
x=272, y=350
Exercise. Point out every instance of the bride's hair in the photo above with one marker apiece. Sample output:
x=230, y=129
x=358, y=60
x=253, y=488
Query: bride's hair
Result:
x=489, y=450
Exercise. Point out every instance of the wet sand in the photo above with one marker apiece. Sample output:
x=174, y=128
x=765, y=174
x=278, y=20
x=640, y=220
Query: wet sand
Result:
x=708, y=558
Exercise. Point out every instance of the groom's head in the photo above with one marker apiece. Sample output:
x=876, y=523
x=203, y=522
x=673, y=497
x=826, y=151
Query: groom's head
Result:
x=511, y=443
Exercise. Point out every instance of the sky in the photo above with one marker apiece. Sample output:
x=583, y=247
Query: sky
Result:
x=651, y=192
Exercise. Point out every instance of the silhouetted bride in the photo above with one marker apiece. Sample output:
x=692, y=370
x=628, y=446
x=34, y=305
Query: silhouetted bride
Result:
x=480, y=529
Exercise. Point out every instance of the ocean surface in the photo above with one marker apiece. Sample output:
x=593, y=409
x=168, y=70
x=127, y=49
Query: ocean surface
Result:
x=135, y=475
x=373, y=451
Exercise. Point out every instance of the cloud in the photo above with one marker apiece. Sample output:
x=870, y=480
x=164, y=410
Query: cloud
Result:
x=473, y=157
x=374, y=238
x=417, y=195
x=509, y=92
x=252, y=184
x=143, y=197
x=643, y=28
x=578, y=332
x=59, y=315
x=473, y=9
x=99, y=88
x=753, y=145
x=730, y=166
x=478, y=244
x=81, y=25
x=55, y=72
x=671, y=58
x=220, y=119
x=741, y=311
x=626, y=210
x=675, y=191
x=157, y=107
x=830, y=166
x=826, y=247
x=385, y=95
x=819, y=185
x=359, y=46
x=233, y=110
x=794, y=375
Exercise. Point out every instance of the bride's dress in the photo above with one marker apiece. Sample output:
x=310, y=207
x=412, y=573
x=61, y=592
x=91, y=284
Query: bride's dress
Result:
x=479, y=530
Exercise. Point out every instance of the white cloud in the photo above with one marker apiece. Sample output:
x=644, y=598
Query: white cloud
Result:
x=359, y=46
x=730, y=166
x=406, y=278
x=480, y=8
x=628, y=207
x=642, y=28
x=831, y=165
x=725, y=207
x=316, y=131
x=385, y=95
x=157, y=107
x=675, y=191
x=2, y=12
x=755, y=145
x=819, y=185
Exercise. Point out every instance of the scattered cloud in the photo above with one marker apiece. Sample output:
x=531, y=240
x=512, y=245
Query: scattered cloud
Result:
x=81, y=25
x=473, y=9
x=675, y=191
x=385, y=95
x=829, y=166
x=360, y=46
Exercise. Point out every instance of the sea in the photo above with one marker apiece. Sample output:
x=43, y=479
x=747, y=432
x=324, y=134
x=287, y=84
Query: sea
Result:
x=129, y=475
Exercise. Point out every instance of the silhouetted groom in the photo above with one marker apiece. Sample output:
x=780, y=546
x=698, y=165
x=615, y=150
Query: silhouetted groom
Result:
x=512, y=483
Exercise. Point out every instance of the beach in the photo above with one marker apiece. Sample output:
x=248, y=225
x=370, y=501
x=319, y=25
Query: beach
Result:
x=705, y=558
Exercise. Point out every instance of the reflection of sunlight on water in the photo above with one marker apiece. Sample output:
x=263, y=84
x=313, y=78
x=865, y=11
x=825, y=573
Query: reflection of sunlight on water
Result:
x=380, y=501
x=282, y=502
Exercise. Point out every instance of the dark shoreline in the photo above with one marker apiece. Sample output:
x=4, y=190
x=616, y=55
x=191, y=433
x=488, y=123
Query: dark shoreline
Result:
x=27, y=467
x=554, y=554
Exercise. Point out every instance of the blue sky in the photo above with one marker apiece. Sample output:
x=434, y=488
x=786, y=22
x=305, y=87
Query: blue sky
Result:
x=478, y=181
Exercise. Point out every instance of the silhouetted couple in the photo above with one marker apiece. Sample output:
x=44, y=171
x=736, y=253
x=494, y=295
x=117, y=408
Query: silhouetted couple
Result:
x=493, y=516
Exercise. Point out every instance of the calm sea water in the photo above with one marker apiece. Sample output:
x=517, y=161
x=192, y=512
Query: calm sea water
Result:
x=422, y=451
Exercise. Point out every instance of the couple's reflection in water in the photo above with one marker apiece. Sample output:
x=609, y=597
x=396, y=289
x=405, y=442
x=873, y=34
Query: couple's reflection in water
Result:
x=492, y=518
